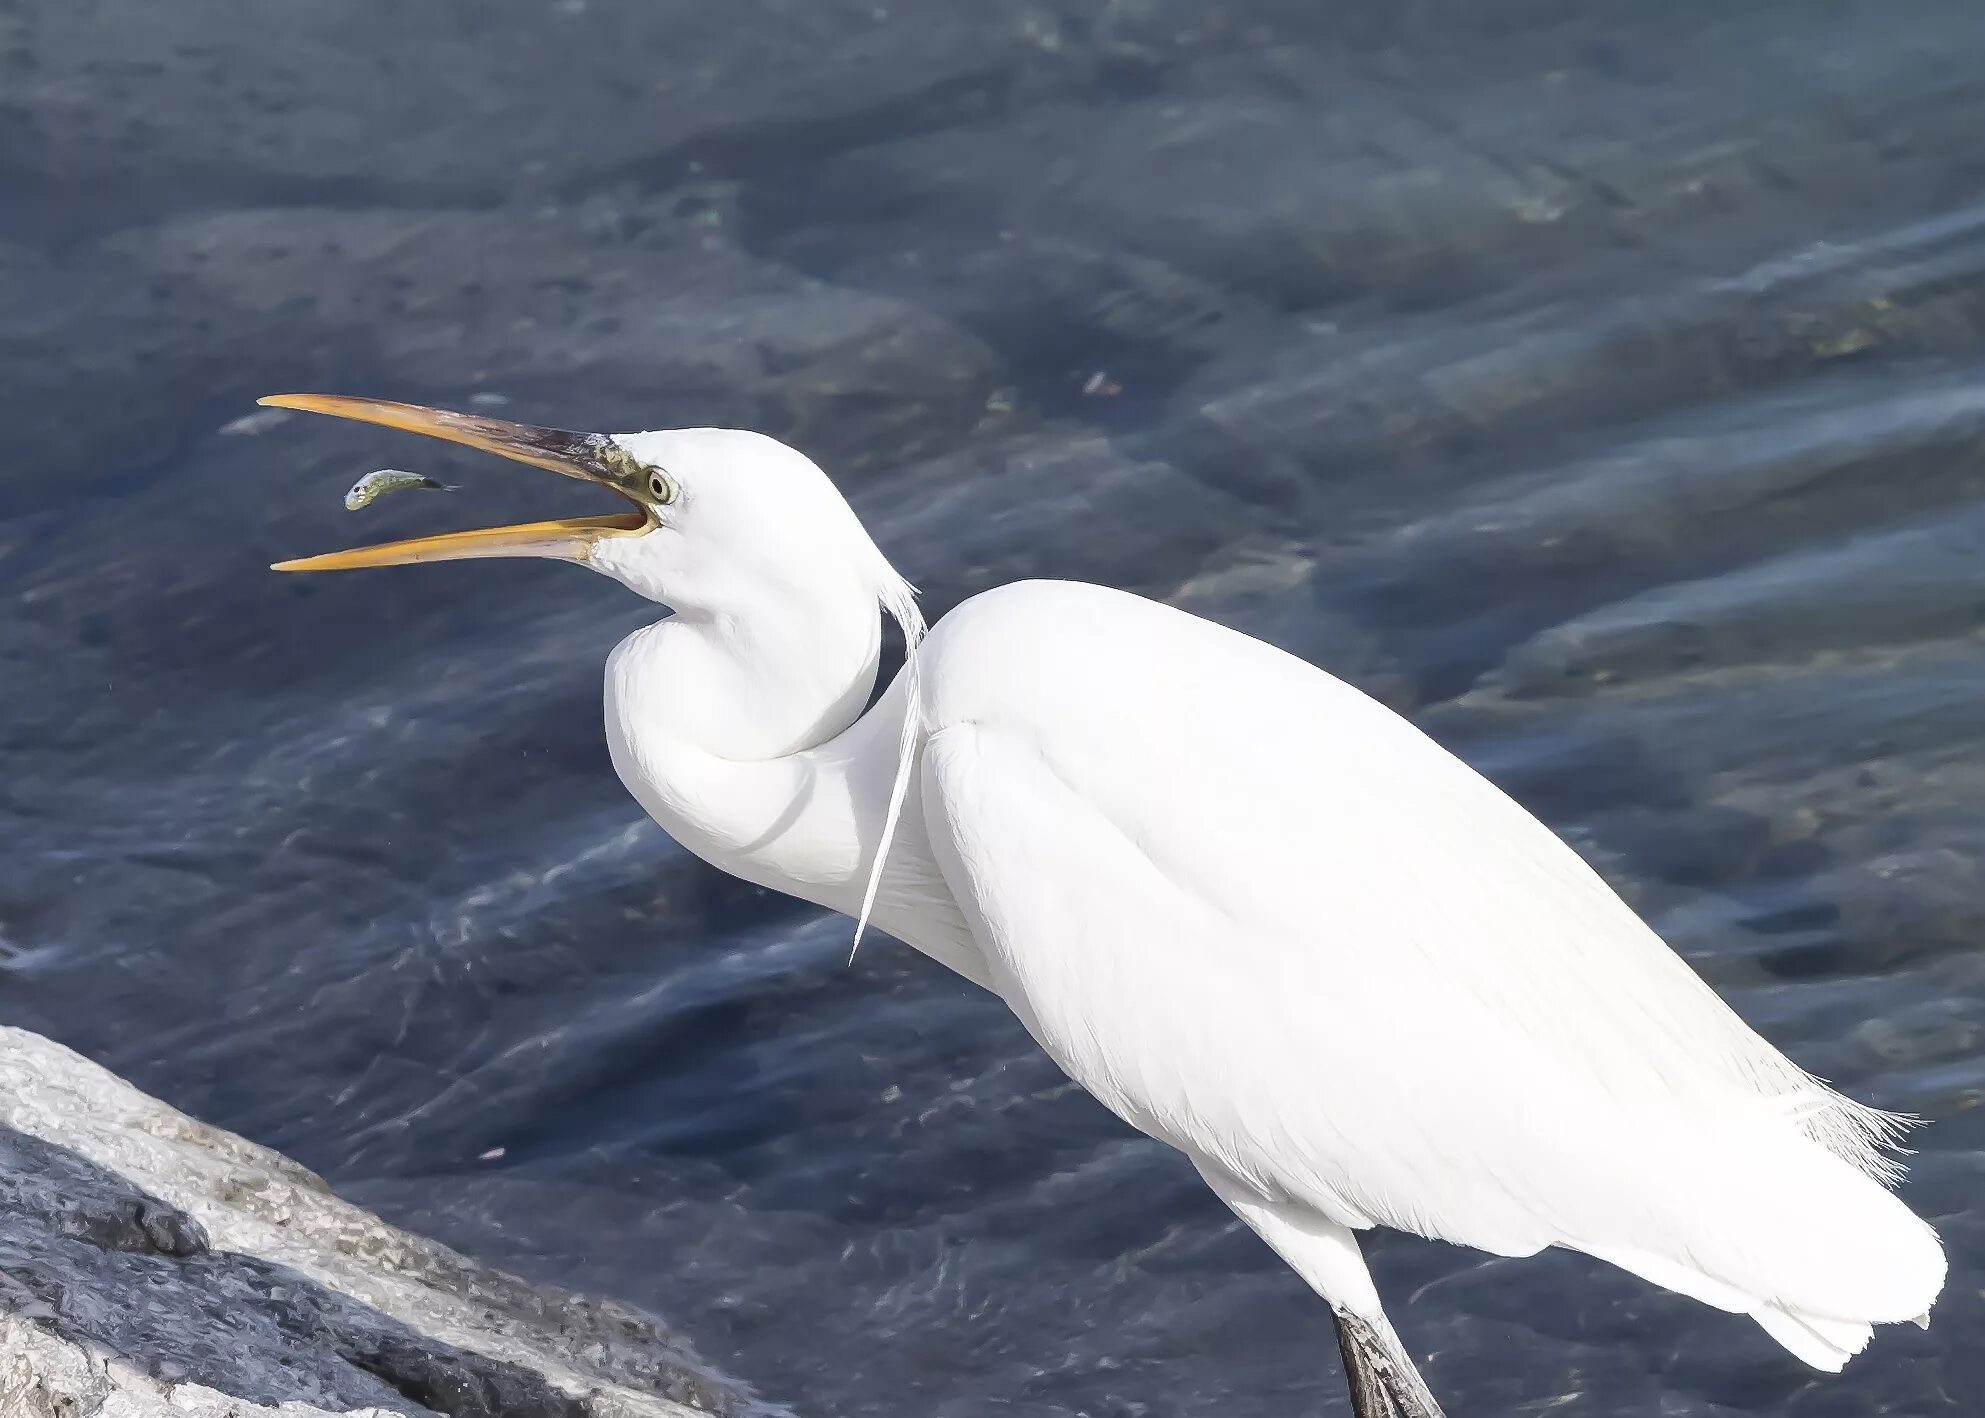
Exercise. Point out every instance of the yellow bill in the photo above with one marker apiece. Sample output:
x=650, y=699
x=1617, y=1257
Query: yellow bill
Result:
x=589, y=457
x=561, y=539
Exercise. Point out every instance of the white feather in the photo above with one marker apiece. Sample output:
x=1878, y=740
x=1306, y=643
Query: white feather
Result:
x=1325, y=956
x=899, y=599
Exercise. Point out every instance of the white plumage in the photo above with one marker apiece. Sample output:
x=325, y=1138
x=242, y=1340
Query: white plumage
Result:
x=1333, y=964
x=1258, y=915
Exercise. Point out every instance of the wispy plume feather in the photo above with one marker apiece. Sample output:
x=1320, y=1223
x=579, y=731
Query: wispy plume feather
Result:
x=899, y=599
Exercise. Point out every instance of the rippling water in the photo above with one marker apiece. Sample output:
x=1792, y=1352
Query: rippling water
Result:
x=1597, y=383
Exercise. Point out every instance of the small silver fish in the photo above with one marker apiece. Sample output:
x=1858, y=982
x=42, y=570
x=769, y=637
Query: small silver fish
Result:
x=373, y=486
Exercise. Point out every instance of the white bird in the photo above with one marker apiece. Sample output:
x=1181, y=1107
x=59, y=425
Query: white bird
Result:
x=1259, y=916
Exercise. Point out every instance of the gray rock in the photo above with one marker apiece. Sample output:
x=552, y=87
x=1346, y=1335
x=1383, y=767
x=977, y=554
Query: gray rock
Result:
x=152, y=1265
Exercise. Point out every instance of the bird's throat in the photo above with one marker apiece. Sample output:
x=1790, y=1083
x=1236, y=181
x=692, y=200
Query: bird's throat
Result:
x=750, y=688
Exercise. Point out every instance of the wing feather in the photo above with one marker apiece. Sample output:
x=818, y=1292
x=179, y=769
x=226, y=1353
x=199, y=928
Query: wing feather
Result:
x=1268, y=921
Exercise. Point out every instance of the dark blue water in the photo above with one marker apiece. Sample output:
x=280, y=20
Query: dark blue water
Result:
x=1598, y=383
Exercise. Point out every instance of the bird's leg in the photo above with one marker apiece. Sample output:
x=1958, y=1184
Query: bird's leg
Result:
x=1384, y=1383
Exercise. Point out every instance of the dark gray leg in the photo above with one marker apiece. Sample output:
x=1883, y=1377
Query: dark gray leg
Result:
x=1384, y=1383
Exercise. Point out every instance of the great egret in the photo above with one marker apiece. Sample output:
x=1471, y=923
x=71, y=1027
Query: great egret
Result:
x=1258, y=915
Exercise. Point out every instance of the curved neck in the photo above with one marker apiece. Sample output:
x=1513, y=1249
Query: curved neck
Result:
x=728, y=730
x=752, y=751
x=756, y=687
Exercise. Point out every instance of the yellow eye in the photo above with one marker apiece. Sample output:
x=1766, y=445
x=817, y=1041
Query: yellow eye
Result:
x=660, y=487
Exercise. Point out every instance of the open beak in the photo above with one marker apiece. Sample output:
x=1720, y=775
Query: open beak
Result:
x=590, y=457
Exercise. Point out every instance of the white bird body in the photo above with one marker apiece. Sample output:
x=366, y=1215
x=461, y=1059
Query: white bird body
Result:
x=1327, y=960
x=1256, y=914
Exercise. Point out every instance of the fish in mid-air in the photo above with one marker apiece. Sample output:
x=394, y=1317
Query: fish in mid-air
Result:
x=373, y=486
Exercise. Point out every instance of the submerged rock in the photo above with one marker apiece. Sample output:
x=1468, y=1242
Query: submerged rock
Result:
x=150, y=1264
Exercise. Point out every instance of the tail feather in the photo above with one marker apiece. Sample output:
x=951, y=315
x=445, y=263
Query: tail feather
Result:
x=1821, y=1241
x=1814, y=1250
x=1823, y=1343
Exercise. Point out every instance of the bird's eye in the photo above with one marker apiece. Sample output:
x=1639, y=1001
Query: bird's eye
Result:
x=660, y=487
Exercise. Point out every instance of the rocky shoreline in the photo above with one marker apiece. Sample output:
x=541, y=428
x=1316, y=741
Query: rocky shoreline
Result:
x=152, y=1265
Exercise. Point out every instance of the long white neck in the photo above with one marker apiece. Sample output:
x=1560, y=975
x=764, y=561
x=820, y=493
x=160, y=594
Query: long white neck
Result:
x=758, y=687
x=751, y=750
x=733, y=732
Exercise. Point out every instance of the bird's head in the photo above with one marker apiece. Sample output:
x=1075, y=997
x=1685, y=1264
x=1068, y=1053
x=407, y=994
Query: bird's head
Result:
x=716, y=518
